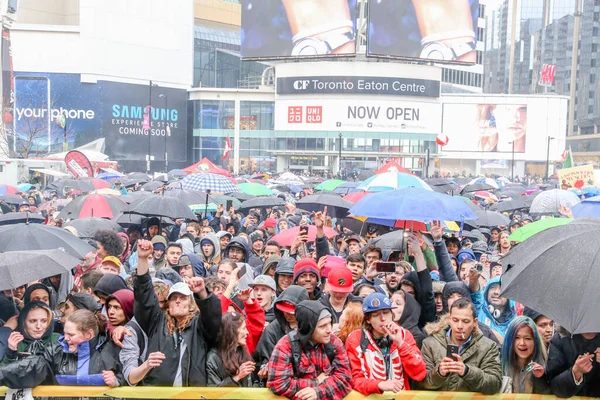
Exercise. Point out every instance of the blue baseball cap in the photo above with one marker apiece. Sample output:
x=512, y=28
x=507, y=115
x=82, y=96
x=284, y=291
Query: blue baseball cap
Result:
x=465, y=254
x=375, y=302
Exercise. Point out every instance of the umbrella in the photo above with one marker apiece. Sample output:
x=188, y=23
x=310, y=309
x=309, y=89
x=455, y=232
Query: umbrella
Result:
x=93, y=205
x=356, y=196
x=489, y=218
x=112, y=192
x=255, y=189
x=510, y=192
x=18, y=268
x=287, y=178
x=23, y=187
x=74, y=184
x=86, y=227
x=262, y=202
x=412, y=204
x=527, y=231
x=486, y=181
x=395, y=241
x=161, y=206
x=550, y=201
x=347, y=187
x=474, y=235
x=241, y=196
x=151, y=186
x=105, y=176
x=587, y=208
x=536, y=275
x=336, y=206
x=189, y=197
x=510, y=205
x=8, y=189
x=287, y=237
x=331, y=184
x=358, y=226
x=282, y=188
x=204, y=182
x=222, y=199
x=20, y=217
x=392, y=181
x=28, y=237
x=139, y=176
x=11, y=199
x=177, y=172
x=126, y=220
x=133, y=196
x=365, y=174
x=485, y=195
x=476, y=187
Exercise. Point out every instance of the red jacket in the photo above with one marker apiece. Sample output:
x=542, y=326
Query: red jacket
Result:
x=368, y=367
x=255, y=320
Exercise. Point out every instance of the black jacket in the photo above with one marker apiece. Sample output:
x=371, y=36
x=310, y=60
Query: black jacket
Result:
x=423, y=294
x=410, y=319
x=327, y=303
x=199, y=336
x=564, y=350
x=217, y=374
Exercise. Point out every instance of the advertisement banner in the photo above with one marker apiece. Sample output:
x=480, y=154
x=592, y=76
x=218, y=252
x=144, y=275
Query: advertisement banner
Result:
x=290, y=28
x=440, y=30
x=576, y=177
x=78, y=164
x=8, y=82
x=358, y=116
x=485, y=127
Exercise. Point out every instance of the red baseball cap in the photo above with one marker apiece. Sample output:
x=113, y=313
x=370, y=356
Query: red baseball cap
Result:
x=286, y=307
x=270, y=223
x=340, y=280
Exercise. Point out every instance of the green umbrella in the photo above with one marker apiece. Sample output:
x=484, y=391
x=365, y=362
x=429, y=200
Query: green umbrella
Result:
x=255, y=189
x=527, y=231
x=331, y=184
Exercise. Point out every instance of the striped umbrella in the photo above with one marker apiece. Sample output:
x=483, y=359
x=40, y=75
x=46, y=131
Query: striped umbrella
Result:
x=392, y=181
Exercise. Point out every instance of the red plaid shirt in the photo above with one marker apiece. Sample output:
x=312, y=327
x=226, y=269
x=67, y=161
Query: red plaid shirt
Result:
x=313, y=362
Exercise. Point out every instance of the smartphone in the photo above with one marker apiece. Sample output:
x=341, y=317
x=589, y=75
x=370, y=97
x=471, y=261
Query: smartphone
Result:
x=242, y=272
x=387, y=267
x=479, y=267
x=451, y=349
x=304, y=230
x=228, y=205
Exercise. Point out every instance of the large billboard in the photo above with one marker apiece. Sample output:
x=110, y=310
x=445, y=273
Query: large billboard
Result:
x=486, y=127
x=358, y=115
x=440, y=30
x=274, y=29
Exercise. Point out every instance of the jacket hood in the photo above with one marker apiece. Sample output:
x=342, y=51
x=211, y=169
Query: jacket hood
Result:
x=450, y=289
x=293, y=294
x=198, y=265
x=413, y=278
x=214, y=240
x=168, y=274
x=510, y=305
x=269, y=262
x=187, y=246
x=307, y=315
x=238, y=242
x=127, y=246
x=412, y=312
x=109, y=284
x=34, y=287
x=23, y=316
x=125, y=299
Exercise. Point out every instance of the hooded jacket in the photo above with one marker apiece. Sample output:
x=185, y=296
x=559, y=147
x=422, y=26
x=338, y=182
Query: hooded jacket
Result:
x=36, y=286
x=160, y=262
x=109, y=284
x=215, y=257
x=479, y=354
x=199, y=336
x=280, y=327
x=125, y=298
x=284, y=267
x=410, y=319
x=325, y=300
x=498, y=324
x=423, y=294
x=271, y=261
x=29, y=344
x=249, y=276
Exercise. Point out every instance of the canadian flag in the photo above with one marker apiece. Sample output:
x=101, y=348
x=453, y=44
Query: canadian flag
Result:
x=227, y=148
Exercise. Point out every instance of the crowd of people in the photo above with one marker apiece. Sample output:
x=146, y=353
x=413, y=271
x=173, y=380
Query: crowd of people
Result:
x=220, y=303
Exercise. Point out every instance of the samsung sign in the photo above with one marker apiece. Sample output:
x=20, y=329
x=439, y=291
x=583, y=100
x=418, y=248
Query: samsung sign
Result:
x=371, y=85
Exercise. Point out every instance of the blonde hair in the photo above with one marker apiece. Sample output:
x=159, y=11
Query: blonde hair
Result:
x=84, y=321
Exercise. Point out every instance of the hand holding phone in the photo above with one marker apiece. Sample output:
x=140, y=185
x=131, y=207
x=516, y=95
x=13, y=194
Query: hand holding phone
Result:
x=385, y=267
x=451, y=350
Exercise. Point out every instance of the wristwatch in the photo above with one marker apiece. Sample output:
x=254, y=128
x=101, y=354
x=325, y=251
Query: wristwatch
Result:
x=314, y=47
x=439, y=51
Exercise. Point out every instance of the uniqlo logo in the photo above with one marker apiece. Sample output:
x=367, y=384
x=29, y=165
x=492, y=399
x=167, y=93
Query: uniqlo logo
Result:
x=314, y=115
x=295, y=114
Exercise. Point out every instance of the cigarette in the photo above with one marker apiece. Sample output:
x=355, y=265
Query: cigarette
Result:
x=462, y=336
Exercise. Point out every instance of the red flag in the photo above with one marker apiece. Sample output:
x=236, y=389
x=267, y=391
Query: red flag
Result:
x=79, y=165
x=227, y=148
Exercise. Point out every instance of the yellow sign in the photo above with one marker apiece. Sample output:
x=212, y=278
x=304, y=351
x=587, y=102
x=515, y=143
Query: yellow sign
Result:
x=576, y=177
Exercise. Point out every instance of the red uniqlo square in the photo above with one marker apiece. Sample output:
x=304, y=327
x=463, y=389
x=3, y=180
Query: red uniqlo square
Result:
x=314, y=115
x=295, y=114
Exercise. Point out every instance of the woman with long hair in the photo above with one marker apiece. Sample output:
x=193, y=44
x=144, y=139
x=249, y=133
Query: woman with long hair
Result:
x=524, y=358
x=504, y=245
x=352, y=318
x=230, y=364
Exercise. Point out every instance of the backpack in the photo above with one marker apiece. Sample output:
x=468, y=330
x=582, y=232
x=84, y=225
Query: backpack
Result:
x=297, y=351
x=141, y=340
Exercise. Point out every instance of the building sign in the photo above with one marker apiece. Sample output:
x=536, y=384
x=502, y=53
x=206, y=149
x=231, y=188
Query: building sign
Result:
x=372, y=85
x=358, y=116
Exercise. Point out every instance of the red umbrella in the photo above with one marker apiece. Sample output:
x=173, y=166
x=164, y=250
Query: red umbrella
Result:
x=355, y=197
x=93, y=205
x=99, y=183
x=287, y=237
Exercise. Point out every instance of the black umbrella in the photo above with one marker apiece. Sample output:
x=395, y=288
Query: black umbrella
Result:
x=488, y=218
x=476, y=187
x=395, y=241
x=360, y=227
x=556, y=272
x=25, y=237
x=474, y=235
x=336, y=206
x=21, y=217
x=86, y=227
x=509, y=193
x=282, y=188
x=241, y=196
x=12, y=199
x=133, y=196
x=161, y=206
x=75, y=184
x=126, y=220
x=515, y=204
x=18, y=268
x=139, y=177
x=445, y=188
x=189, y=197
x=262, y=202
x=151, y=186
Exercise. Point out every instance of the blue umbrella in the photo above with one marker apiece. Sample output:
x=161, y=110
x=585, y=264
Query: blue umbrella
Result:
x=107, y=175
x=412, y=204
x=587, y=208
x=586, y=192
x=24, y=187
x=391, y=181
x=295, y=188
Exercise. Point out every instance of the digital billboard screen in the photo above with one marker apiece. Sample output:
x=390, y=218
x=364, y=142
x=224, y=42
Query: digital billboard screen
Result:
x=273, y=29
x=437, y=30
x=490, y=128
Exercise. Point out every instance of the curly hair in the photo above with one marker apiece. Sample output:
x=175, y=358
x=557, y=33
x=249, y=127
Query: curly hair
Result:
x=174, y=325
x=111, y=241
x=353, y=320
x=232, y=354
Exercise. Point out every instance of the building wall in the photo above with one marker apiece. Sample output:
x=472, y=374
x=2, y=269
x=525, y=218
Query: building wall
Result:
x=49, y=12
x=218, y=11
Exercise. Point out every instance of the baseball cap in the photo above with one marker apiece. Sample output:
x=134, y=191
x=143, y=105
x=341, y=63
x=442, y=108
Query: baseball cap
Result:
x=286, y=307
x=351, y=238
x=112, y=259
x=183, y=261
x=376, y=302
x=270, y=223
x=340, y=280
x=465, y=254
x=181, y=288
x=263, y=280
x=221, y=234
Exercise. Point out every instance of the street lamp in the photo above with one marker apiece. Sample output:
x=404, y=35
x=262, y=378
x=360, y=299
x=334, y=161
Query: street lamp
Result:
x=167, y=130
x=548, y=157
x=512, y=166
x=340, y=155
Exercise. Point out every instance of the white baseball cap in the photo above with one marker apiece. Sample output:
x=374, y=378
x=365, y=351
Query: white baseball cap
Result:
x=181, y=288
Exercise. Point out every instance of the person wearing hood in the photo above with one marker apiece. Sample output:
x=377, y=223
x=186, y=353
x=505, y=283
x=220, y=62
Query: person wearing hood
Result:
x=35, y=331
x=270, y=265
x=60, y=286
x=322, y=359
x=383, y=342
x=107, y=285
x=284, y=274
x=209, y=249
x=38, y=292
x=444, y=260
x=224, y=239
x=493, y=310
x=306, y=274
x=187, y=244
x=159, y=244
x=124, y=257
x=78, y=301
x=238, y=251
x=152, y=228
x=339, y=283
x=407, y=312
